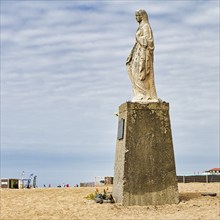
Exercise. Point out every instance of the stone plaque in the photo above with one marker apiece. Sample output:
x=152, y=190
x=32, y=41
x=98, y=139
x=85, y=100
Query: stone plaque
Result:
x=121, y=129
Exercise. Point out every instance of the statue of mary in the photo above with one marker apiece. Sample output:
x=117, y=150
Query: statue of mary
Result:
x=140, y=62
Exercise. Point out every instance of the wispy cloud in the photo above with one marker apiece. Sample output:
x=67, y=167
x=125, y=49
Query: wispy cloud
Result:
x=64, y=76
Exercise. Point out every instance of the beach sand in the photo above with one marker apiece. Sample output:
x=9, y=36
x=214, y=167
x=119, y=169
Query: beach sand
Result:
x=69, y=203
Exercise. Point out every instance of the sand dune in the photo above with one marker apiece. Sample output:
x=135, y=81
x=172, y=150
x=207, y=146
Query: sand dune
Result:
x=69, y=203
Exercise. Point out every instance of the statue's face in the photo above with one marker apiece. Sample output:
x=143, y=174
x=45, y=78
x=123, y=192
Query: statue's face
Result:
x=138, y=17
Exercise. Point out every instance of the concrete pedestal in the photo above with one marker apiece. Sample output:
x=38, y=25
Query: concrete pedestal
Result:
x=144, y=172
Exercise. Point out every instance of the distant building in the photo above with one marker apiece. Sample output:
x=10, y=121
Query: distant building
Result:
x=212, y=171
x=88, y=184
x=108, y=180
x=11, y=183
x=103, y=180
x=99, y=181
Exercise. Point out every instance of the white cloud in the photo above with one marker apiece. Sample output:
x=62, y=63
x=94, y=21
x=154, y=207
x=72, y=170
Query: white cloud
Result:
x=64, y=76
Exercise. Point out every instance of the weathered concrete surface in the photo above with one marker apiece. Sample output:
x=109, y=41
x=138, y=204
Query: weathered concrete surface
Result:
x=145, y=171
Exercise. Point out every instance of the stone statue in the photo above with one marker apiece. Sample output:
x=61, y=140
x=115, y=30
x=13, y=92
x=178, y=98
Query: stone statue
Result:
x=140, y=62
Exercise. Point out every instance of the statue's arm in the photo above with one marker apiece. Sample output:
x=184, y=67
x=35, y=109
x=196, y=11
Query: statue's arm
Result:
x=145, y=37
x=142, y=38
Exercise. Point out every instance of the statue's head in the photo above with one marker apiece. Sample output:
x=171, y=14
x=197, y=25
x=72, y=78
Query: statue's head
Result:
x=141, y=15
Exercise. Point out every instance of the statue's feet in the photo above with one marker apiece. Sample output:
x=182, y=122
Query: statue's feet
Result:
x=144, y=99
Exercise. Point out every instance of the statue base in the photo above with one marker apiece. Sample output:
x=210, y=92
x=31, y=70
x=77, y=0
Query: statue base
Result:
x=144, y=172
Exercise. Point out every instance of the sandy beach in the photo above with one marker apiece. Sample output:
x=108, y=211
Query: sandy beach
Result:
x=70, y=203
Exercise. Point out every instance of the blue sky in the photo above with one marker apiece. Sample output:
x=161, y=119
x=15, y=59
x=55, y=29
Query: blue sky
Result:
x=63, y=77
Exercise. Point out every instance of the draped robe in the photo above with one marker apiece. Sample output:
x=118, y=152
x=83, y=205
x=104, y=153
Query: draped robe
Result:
x=140, y=65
